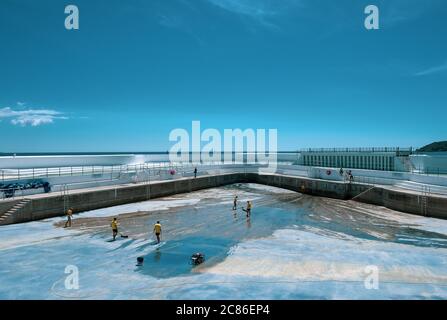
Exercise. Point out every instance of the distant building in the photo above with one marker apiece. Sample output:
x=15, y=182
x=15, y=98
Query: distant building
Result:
x=385, y=159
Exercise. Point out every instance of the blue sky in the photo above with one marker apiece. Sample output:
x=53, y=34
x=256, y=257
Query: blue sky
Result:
x=137, y=69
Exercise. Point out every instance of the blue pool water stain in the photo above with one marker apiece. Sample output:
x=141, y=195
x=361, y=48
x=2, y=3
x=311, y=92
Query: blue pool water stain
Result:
x=213, y=239
x=173, y=258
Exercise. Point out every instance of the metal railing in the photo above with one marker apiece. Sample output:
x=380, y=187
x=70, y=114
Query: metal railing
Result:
x=374, y=166
x=37, y=173
x=369, y=149
x=108, y=175
x=149, y=172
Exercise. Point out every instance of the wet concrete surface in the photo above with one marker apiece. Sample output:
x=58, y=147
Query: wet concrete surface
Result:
x=292, y=247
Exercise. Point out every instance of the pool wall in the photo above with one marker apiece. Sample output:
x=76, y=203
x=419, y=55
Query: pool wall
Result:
x=51, y=205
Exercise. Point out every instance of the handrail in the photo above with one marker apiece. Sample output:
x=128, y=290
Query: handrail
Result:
x=367, y=149
x=148, y=172
x=11, y=175
x=39, y=173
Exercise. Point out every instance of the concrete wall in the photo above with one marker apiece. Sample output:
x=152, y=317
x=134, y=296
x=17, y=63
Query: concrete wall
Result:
x=432, y=206
x=324, y=188
x=56, y=205
x=53, y=205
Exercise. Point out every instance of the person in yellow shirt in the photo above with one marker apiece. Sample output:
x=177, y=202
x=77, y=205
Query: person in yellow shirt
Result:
x=69, y=216
x=248, y=209
x=114, y=226
x=157, y=231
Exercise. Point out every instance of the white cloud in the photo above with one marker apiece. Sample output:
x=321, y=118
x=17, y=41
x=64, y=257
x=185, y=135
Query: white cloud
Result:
x=264, y=12
x=32, y=117
x=432, y=70
x=245, y=7
x=259, y=8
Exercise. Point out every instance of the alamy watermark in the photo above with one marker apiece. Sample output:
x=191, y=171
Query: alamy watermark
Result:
x=371, y=281
x=72, y=20
x=371, y=20
x=72, y=280
x=228, y=147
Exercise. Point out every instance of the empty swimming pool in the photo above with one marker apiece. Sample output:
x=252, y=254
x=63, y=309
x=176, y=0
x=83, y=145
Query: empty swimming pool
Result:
x=292, y=247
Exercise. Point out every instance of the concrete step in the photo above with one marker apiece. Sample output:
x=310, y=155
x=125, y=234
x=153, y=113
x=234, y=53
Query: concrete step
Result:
x=14, y=209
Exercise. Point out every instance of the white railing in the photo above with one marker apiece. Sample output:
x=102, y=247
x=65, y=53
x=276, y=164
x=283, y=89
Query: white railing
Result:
x=112, y=175
x=37, y=173
x=149, y=172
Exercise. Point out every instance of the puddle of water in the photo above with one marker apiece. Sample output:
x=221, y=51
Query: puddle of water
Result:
x=173, y=258
x=212, y=237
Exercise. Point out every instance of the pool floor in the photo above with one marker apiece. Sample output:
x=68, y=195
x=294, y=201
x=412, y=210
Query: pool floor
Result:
x=292, y=247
